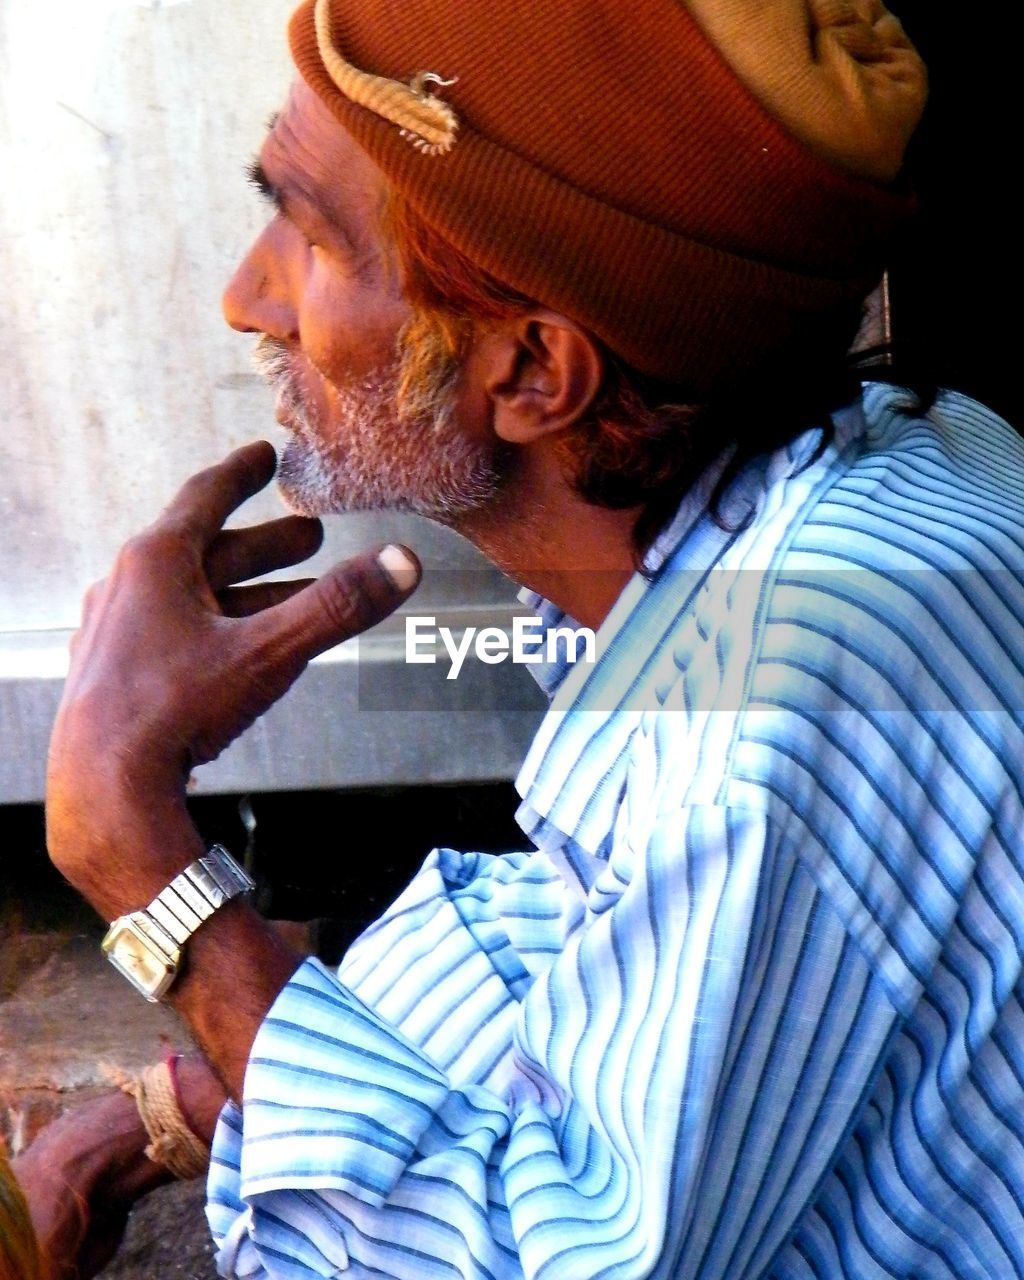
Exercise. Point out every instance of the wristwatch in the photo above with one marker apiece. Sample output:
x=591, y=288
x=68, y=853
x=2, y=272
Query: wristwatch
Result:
x=146, y=946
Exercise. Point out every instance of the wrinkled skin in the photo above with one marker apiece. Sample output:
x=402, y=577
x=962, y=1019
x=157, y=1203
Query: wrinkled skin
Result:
x=84, y=1172
x=172, y=662
x=81, y=1176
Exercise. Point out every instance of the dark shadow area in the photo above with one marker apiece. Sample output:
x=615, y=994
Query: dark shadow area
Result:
x=956, y=281
x=336, y=857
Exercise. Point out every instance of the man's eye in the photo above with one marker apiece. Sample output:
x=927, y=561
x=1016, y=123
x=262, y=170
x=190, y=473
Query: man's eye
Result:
x=305, y=231
x=301, y=232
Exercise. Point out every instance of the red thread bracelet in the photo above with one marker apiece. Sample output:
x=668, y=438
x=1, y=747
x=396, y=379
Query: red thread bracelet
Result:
x=171, y=1062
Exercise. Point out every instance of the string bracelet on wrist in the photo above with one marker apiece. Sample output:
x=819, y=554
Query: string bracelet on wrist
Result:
x=173, y=1143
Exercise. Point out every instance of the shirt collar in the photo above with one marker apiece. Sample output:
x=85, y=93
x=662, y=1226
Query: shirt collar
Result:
x=573, y=778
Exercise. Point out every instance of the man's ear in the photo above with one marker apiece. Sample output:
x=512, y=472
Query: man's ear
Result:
x=542, y=372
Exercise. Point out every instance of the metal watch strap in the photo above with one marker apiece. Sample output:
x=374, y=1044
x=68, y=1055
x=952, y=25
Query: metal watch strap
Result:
x=196, y=893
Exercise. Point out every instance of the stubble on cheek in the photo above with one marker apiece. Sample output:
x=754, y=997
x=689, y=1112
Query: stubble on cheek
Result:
x=351, y=449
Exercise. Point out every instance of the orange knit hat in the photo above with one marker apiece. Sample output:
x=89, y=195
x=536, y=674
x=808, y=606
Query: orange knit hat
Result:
x=691, y=184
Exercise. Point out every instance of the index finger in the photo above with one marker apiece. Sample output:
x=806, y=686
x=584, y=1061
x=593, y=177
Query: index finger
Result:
x=205, y=500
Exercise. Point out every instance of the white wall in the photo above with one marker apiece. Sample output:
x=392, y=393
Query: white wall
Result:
x=125, y=128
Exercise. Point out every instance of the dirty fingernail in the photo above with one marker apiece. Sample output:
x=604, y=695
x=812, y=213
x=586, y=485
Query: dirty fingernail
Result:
x=399, y=565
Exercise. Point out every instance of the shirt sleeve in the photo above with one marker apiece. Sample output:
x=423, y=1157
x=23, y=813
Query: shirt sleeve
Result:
x=508, y=1080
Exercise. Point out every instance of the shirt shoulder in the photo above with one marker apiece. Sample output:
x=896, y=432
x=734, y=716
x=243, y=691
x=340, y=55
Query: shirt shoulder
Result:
x=864, y=688
x=942, y=489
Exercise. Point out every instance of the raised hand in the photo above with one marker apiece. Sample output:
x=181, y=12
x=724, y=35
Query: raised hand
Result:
x=174, y=660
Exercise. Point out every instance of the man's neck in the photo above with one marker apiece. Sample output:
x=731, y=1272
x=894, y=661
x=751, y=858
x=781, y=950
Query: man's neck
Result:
x=575, y=554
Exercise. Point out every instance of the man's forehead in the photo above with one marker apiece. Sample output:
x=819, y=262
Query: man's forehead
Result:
x=309, y=153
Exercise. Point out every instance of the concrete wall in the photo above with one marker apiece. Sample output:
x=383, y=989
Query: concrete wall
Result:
x=125, y=126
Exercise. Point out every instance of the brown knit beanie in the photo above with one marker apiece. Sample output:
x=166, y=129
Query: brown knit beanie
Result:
x=691, y=183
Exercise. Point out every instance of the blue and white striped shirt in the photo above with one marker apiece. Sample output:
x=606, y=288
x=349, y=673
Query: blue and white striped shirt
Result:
x=752, y=1007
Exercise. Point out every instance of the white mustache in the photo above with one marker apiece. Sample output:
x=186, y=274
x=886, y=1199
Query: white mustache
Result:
x=271, y=361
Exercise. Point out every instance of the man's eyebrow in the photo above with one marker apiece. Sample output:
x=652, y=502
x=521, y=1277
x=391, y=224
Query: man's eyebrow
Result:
x=257, y=176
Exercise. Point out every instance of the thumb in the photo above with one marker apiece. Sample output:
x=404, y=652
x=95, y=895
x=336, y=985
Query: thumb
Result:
x=348, y=599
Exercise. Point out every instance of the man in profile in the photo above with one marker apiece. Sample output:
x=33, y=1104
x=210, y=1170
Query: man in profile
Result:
x=578, y=281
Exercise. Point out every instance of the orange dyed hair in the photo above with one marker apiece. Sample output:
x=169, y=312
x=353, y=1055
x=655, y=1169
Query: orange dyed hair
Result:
x=633, y=449
x=19, y=1250
x=644, y=441
x=447, y=293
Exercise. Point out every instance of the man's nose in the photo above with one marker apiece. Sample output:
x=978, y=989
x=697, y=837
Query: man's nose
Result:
x=257, y=298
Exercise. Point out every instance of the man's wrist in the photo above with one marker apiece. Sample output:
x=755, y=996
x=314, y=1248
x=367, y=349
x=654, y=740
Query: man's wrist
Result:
x=120, y=864
x=200, y=1093
x=173, y=1143
x=146, y=946
x=234, y=969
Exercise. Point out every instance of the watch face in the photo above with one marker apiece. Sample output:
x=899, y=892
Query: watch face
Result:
x=133, y=955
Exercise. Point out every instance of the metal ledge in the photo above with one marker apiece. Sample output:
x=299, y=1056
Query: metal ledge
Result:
x=358, y=717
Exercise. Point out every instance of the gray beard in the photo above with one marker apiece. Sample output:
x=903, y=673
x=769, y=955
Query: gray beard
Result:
x=368, y=458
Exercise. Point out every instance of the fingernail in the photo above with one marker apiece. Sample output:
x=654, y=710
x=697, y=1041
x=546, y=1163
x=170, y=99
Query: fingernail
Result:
x=400, y=567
